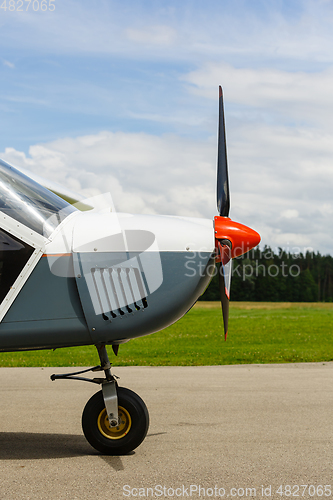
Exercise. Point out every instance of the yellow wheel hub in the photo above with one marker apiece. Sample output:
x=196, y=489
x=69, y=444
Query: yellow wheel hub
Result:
x=118, y=432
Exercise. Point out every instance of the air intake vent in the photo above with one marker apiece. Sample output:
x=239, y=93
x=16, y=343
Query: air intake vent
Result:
x=119, y=291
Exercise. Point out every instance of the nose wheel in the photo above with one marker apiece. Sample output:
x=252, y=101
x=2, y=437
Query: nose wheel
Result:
x=133, y=422
x=115, y=420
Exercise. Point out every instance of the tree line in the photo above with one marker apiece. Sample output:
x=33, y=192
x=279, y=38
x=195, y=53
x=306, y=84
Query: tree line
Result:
x=278, y=276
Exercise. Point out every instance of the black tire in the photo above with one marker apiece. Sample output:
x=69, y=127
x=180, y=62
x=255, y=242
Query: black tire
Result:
x=115, y=440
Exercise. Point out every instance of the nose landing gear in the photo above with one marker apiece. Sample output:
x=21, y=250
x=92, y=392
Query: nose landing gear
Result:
x=115, y=420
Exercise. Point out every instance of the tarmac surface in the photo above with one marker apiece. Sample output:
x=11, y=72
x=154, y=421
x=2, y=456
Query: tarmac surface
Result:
x=215, y=432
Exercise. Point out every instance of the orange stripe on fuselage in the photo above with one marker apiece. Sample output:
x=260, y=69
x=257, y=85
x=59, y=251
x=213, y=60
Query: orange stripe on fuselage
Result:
x=56, y=255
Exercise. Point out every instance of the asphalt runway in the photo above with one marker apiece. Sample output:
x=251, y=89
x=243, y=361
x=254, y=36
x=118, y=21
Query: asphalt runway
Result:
x=215, y=432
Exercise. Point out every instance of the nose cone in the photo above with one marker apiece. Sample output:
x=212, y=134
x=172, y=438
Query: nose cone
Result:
x=242, y=238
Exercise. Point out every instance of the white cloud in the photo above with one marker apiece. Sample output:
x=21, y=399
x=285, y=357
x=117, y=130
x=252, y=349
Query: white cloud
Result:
x=277, y=72
x=152, y=35
x=290, y=213
x=8, y=64
x=231, y=31
x=144, y=173
x=277, y=94
x=281, y=181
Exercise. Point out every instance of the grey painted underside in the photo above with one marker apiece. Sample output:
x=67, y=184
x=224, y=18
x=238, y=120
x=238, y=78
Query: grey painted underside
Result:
x=48, y=313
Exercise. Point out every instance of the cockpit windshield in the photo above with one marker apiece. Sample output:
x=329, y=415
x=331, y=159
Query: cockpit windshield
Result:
x=30, y=203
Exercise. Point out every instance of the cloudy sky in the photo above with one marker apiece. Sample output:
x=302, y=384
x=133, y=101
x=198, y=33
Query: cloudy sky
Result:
x=123, y=97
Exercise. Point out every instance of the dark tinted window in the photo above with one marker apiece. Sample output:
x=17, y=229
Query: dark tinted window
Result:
x=14, y=254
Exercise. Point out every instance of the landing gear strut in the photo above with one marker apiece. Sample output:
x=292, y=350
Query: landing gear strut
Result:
x=115, y=420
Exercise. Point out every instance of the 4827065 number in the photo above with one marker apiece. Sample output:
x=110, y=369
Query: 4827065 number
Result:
x=24, y=5
x=304, y=489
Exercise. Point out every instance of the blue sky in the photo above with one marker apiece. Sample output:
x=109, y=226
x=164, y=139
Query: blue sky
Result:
x=123, y=96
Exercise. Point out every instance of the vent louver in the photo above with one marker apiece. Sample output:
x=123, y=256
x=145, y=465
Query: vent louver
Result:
x=119, y=291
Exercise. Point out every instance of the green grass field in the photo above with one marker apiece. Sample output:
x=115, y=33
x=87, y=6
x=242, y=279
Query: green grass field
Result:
x=259, y=332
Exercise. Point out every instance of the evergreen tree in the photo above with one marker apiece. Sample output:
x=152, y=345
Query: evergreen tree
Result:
x=280, y=276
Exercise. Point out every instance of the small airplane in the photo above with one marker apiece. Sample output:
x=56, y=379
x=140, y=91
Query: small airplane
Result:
x=71, y=277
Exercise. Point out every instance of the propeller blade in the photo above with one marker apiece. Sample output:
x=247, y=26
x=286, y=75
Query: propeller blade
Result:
x=222, y=192
x=224, y=301
x=225, y=281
